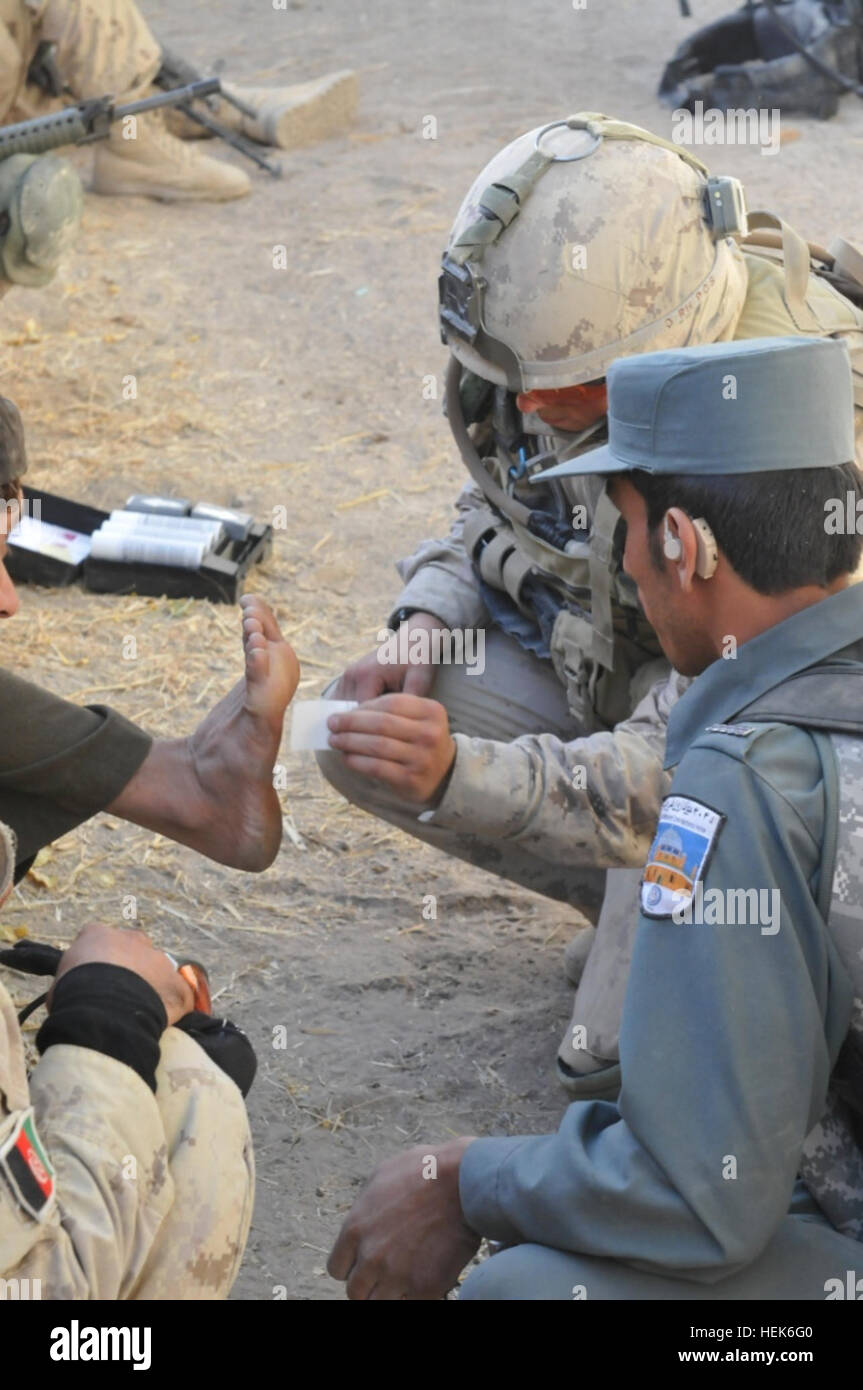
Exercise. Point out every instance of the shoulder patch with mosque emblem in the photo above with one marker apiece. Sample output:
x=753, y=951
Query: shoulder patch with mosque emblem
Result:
x=681, y=849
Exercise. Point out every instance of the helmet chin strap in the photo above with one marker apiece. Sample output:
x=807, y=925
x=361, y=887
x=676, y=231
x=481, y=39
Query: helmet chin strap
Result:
x=507, y=505
x=605, y=519
x=601, y=571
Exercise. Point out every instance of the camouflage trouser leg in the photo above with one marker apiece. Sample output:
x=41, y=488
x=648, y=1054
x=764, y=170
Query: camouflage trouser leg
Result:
x=590, y=1046
x=516, y=694
x=103, y=46
x=200, y=1243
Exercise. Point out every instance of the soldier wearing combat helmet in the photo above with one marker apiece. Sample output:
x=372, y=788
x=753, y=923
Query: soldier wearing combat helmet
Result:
x=52, y=50
x=580, y=243
x=731, y=1166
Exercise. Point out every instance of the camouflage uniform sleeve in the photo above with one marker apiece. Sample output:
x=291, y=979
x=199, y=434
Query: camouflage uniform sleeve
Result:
x=439, y=577
x=101, y=1129
x=593, y=800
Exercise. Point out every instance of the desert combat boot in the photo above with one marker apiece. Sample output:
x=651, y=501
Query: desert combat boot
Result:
x=286, y=117
x=157, y=165
x=299, y=115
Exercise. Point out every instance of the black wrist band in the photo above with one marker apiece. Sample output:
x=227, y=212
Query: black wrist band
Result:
x=400, y=616
x=111, y=1010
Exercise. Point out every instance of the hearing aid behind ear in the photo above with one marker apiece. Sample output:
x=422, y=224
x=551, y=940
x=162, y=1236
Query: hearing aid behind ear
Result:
x=707, y=551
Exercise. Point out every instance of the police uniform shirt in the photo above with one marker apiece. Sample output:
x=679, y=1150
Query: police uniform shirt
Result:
x=730, y=1032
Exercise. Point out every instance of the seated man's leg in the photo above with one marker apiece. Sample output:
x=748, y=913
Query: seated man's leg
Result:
x=197, y=1252
x=103, y=47
x=106, y=47
x=589, y=1053
x=804, y=1255
x=515, y=694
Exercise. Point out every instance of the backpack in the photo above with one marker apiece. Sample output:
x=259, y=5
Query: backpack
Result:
x=794, y=55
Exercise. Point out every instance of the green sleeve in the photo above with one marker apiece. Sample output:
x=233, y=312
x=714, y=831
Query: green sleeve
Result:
x=60, y=763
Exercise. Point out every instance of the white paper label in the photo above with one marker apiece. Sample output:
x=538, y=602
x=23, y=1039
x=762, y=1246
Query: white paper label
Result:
x=309, y=722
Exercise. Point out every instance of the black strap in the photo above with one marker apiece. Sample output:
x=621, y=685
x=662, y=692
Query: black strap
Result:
x=44, y=72
x=827, y=697
x=823, y=699
x=28, y=1009
x=32, y=957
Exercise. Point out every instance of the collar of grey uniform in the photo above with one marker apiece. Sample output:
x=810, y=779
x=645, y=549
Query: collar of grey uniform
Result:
x=762, y=663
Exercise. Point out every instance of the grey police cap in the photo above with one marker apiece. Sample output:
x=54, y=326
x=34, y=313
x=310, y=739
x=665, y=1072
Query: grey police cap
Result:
x=759, y=405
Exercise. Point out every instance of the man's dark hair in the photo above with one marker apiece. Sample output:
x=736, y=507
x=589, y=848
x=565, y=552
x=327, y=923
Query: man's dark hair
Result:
x=771, y=527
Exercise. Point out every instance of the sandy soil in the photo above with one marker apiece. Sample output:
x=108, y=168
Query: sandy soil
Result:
x=303, y=388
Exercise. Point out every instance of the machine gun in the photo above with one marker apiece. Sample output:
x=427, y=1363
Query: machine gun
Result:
x=175, y=73
x=91, y=120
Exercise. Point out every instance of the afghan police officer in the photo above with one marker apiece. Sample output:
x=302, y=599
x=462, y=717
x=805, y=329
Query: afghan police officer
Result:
x=126, y=1159
x=580, y=243
x=730, y=1166
x=100, y=47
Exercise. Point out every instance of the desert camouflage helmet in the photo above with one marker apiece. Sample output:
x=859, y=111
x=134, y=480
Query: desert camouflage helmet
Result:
x=41, y=202
x=587, y=240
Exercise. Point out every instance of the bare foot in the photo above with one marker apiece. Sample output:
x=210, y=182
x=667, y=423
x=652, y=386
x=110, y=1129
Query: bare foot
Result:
x=234, y=749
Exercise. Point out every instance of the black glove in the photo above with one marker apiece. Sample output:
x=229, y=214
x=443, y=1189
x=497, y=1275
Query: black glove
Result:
x=228, y=1047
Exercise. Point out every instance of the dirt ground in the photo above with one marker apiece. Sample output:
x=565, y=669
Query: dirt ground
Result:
x=302, y=388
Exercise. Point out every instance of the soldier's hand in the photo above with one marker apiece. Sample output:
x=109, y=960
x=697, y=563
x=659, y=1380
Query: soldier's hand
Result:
x=401, y=740
x=134, y=951
x=370, y=677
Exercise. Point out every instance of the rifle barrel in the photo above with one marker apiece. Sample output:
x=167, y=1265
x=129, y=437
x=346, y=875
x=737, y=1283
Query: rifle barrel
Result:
x=44, y=133
x=76, y=125
x=176, y=96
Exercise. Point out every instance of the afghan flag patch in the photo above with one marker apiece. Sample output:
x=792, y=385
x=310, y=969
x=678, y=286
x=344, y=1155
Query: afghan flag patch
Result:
x=27, y=1167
